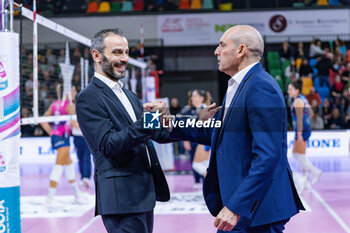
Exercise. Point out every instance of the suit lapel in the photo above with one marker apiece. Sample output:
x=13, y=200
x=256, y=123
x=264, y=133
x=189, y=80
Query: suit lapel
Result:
x=134, y=103
x=235, y=97
x=111, y=95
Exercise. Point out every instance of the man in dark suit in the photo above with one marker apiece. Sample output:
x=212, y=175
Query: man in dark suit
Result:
x=249, y=185
x=110, y=118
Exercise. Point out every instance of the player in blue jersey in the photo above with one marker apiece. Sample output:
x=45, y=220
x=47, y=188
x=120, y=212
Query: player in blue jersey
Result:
x=301, y=114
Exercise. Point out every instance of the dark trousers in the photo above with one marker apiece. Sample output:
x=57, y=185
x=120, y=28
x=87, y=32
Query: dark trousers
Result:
x=84, y=156
x=276, y=227
x=324, y=80
x=129, y=223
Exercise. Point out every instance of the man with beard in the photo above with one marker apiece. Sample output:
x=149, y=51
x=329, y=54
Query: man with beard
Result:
x=110, y=118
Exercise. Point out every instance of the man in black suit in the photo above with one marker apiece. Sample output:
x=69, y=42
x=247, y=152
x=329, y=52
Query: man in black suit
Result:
x=110, y=118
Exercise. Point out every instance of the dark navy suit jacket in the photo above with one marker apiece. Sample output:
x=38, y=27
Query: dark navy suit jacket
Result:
x=123, y=178
x=249, y=171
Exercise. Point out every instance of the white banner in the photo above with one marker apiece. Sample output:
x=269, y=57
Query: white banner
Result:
x=207, y=28
x=324, y=143
x=38, y=150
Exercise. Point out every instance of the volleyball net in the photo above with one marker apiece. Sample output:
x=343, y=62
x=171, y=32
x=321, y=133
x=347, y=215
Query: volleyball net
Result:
x=52, y=54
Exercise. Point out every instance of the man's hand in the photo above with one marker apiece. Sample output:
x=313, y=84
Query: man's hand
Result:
x=162, y=108
x=226, y=220
x=209, y=112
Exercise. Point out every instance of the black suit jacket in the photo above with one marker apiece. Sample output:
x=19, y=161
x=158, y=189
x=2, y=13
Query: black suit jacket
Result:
x=123, y=177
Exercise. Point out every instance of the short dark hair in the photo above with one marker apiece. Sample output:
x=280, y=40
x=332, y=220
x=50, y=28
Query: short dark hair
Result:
x=98, y=41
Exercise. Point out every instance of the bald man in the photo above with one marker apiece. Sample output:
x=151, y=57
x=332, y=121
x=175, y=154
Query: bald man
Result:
x=249, y=185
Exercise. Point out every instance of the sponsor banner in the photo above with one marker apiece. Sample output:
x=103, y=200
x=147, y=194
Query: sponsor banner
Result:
x=38, y=150
x=324, y=143
x=207, y=28
x=9, y=210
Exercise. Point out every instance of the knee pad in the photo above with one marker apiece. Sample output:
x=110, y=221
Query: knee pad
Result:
x=70, y=172
x=56, y=173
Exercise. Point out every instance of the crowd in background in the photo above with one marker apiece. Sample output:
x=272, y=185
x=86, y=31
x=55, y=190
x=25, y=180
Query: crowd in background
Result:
x=325, y=71
x=50, y=7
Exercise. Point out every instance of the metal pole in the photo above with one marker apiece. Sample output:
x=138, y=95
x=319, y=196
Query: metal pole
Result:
x=35, y=65
x=82, y=71
x=11, y=15
x=2, y=14
x=86, y=72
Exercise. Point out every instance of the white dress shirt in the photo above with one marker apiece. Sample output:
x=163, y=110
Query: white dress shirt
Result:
x=233, y=84
x=118, y=91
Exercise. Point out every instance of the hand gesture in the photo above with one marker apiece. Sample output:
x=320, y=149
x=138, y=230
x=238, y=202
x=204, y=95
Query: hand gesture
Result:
x=209, y=112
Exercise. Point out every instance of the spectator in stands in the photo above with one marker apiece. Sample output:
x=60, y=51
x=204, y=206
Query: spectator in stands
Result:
x=313, y=95
x=339, y=57
x=315, y=49
x=292, y=70
x=343, y=101
x=61, y=57
x=336, y=120
x=51, y=58
x=342, y=46
x=305, y=69
x=337, y=88
x=174, y=106
x=347, y=114
x=345, y=76
x=286, y=51
x=42, y=64
x=300, y=52
x=326, y=110
x=76, y=56
x=323, y=66
x=316, y=121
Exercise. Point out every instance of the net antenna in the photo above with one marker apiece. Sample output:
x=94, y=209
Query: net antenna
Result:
x=38, y=19
x=67, y=71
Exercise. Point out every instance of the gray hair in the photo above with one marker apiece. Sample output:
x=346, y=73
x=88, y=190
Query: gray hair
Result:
x=252, y=39
x=98, y=41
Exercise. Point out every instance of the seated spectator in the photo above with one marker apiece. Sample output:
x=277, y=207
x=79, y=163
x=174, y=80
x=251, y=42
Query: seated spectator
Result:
x=339, y=58
x=342, y=46
x=337, y=88
x=326, y=110
x=316, y=121
x=42, y=64
x=286, y=51
x=300, y=51
x=51, y=58
x=323, y=66
x=345, y=76
x=313, y=95
x=305, y=69
x=174, y=106
x=335, y=121
x=291, y=69
x=315, y=49
x=343, y=102
x=61, y=57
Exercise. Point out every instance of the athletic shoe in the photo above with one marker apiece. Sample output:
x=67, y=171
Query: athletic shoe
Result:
x=197, y=186
x=86, y=183
x=316, y=176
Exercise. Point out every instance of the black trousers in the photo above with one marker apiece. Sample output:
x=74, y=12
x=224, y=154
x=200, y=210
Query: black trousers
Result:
x=129, y=223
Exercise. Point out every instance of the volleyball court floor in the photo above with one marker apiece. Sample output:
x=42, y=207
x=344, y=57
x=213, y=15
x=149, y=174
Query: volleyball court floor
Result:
x=329, y=201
